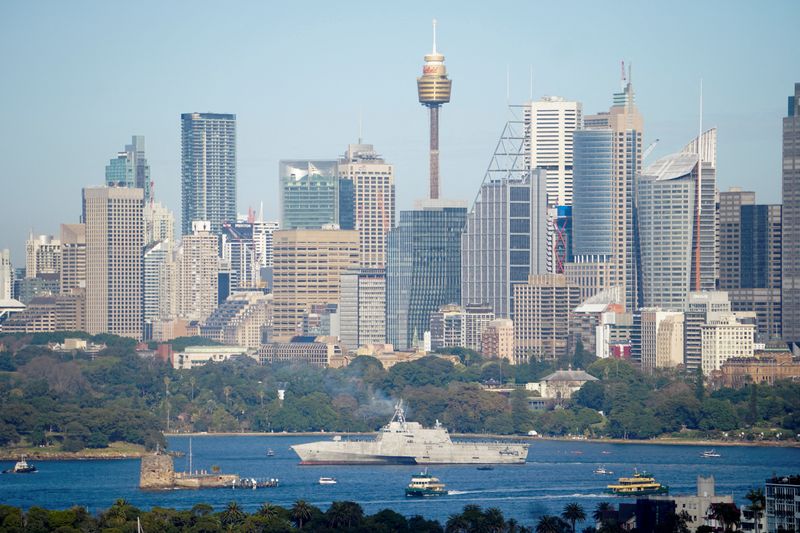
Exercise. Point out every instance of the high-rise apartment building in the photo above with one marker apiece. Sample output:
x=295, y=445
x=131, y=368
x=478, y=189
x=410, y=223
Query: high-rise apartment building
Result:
x=362, y=307
x=130, y=168
x=549, y=125
x=6, y=275
x=498, y=339
x=453, y=326
x=423, y=268
x=309, y=193
x=159, y=223
x=42, y=255
x=607, y=159
x=307, y=269
x=790, y=278
x=198, y=267
x=114, y=245
x=262, y=237
x=239, y=251
x=541, y=317
x=208, y=169
x=155, y=261
x=373, y=198
x=73, y=257
x=677, y=229
x=504, y=239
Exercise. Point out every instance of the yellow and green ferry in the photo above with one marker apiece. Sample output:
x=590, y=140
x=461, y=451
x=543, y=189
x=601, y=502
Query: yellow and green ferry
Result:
x=640, y=484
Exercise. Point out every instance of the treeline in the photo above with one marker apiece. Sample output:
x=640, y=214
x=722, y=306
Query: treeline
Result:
x=76, y=400
x=343, y=516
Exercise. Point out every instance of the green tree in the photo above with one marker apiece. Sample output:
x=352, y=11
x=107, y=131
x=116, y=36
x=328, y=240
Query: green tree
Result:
x=727, y=514
x=301, y=513
x=573, y=513
x=752, y=406
x=232, y=515
x=758, y=503
x=344, y=514
x=550, y=524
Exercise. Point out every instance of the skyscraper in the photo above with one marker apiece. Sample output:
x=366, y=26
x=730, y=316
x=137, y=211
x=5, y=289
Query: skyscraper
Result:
x=154, y=262
x=373, y=198
x=362, y=307
x=309, y=193
x=42, y=255
x=73, y=257
x=208, y=169
x=423, y=268
x=239, y=250
x=6, y=275
x=608, y=157
x=433, y=89
x=504, y=239
x=159, y=223
x=307, y=269
x=790, y=278
x=549, y=125
x=677, y=228
x=197, y=271
x=114, y=246
x=130, y=168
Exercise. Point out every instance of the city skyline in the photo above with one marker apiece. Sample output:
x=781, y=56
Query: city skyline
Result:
x=70, y=120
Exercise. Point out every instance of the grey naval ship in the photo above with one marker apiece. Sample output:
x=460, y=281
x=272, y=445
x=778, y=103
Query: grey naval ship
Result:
x=403, y=442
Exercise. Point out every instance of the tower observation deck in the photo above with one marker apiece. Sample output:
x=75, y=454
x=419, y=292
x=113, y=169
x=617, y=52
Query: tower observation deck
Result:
x=434, y=89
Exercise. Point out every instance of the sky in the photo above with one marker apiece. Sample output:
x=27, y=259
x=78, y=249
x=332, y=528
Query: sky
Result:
x=78, y=78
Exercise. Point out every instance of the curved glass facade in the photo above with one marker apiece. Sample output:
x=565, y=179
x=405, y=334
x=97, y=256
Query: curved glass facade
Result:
x=592, y=192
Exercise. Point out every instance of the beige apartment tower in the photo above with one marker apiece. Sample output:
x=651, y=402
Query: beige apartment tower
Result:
x=73, y=257
x=307, y=269
x=197, y=272
x=542, y=309
x=373, y=201
x=114, y=245
x=498, y=339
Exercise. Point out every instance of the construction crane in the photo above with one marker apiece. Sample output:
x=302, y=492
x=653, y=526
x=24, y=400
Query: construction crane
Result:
x=649, y=149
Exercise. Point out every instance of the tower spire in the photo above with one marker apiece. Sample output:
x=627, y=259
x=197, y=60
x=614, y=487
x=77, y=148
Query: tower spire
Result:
x=434, y=36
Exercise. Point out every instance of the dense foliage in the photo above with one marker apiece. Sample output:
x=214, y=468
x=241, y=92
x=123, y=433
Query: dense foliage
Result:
x=340, y=516
x=75, y=400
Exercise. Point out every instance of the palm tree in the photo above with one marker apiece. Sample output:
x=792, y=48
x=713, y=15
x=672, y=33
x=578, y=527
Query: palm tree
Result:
x=726, y=514
x=601, y=510
x=572, y=513
x=344, y=514
x=549, y=524
x=456, y=523
x=301, y=513
x=269, y=511
x=493, y=520
x=757, y=504
x=232, y=515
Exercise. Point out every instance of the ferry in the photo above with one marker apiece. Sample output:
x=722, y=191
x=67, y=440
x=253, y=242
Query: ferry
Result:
x=327, y=481
x=22, y=467
x=424, y=484
x=710, y=453
x=640, y=484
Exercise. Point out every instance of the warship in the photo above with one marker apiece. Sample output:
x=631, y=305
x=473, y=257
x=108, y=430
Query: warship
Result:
x=403, y=442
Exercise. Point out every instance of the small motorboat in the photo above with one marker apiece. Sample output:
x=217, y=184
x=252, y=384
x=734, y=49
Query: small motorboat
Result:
x=602, y=471
x=485, y=467
x=270, y=452
x=327, y=481
x=710, y=453
x=22, y=467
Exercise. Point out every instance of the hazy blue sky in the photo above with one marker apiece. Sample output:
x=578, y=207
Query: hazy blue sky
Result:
x=78, y=78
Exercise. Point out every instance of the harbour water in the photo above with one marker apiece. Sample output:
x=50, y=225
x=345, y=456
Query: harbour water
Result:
x=556, y=473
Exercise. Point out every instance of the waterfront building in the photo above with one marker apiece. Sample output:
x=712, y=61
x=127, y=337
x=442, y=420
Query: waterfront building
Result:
x=197, y=273
x=541, y=317
x=677, y=226
x=790, y=277
x=114, y=244
x=423, y=268
x=498, y=339
x=308, y=264
x=130, y=168
x=309, y=193
x=661, y=338
x=505, y=235
x=73, y=257
x=6, y=275
x=783, y=492
x=316, y=351
x=373, y=201
x=159, y=223
x=549, y=125
x=42, y=255
x=724, y=338
x=240, y=320
x=362, y=307
x=208, y=169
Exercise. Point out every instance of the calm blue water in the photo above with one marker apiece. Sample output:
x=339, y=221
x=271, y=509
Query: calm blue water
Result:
x=556, y=473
